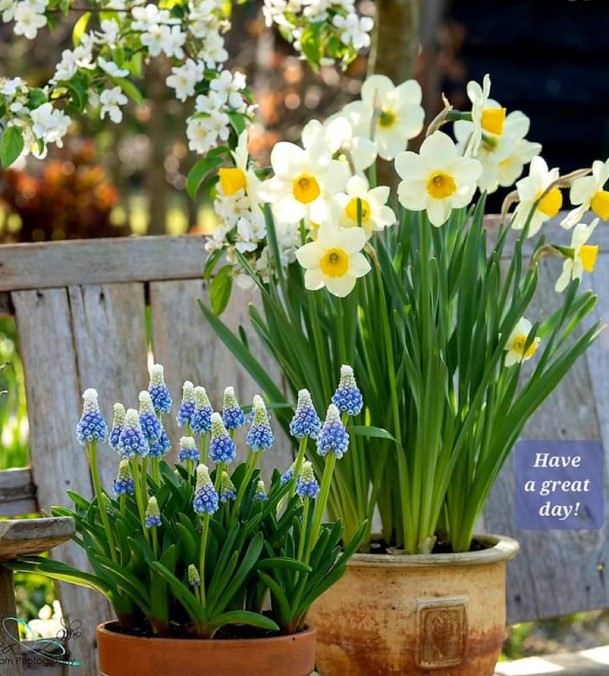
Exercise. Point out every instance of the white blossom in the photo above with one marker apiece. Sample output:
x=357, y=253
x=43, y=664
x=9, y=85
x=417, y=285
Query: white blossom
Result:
x=111, y=100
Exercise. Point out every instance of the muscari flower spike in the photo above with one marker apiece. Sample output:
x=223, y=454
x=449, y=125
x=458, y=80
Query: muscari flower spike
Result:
x=347, y=398
x=131, y=440
x=221, y=447
x=260, y=435
x=161, y=398
x=188, y=450
x=117, y=425
x=260, y=493
x=306, y=422
x=232, y=414
x=187, y=407
x=307, y=486
x=123, y=484
x=161, y=446
x=206, y=498
x=91, y=426
x=153, y=515
x=227, y=488
x=288, y=475
x=333, y=437
x=151, y=427
x=194, y=579
x=110, y=511
x=200, y=422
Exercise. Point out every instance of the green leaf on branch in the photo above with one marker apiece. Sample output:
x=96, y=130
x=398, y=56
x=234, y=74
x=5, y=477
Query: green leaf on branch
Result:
x=221, y=288
x=200, y=171
x=238, y=122
x=80, y=27
x=11, y=146
x=36, y=97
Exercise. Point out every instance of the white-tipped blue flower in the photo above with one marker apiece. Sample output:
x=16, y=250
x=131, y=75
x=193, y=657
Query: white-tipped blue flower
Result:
x=131, y=440
x=152, y=516
x=200, y=423
x=232, y=414
x=91, y=426
x=161, y=446
x=307, y=486
x=260, y=435
x=123, y=484
x=188, y=450
x=151, y=427
x=227, y=488
x=333, y=437
x=161, y=398
x=260, y=493
x=221, y=447
x=287, y=476
x=117, y=425
x=194, y=579
x=110, y=511
x=187, y=406
x=206, y=498
x=306, y=422
x=347, y=398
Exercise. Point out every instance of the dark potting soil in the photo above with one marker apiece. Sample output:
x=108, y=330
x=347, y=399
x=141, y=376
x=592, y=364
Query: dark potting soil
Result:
x=382, y=547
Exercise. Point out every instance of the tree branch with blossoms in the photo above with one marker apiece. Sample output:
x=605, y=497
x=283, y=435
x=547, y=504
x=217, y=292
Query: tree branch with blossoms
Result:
x=114, y=38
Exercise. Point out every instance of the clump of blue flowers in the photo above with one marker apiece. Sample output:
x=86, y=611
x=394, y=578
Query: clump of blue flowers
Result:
x=91, y=426
x=200, y=422
x=153, y=514
x=188, y=450
x=187, y=406
x=159, y=394
x=232, y=413
x=206, y=497
x=347, y=398
x=306, y=422
x=123, y=484
x=221, y=447
x=307, y=486
x=131, y=440
x=333, y=437
x=117, y=425
x=260, y=435
x=227, y=488
x=150, y=424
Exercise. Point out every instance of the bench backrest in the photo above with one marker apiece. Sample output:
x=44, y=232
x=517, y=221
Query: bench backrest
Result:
x=82, y=310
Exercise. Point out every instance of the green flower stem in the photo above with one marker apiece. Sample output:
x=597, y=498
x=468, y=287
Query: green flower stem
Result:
x=250, y=466
x=139, y=496
x=204, y=448
x=155, y=542
x=92, y=456
x=156, y=471
x=320, y=504
x=298, y=464
x=204, y=537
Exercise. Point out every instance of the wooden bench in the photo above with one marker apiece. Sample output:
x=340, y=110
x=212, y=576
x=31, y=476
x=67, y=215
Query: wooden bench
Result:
x=82, y=309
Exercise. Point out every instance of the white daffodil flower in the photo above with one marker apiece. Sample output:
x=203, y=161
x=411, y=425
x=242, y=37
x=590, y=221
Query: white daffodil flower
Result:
x=584, y=255
x=438, y=179
x=488, y=117
x=515, y=347
x=375, y=215
x=503, y=158
x=303, y=184
x=388, y=115
x=589, y=193
x=530, y=190
x=334, y=260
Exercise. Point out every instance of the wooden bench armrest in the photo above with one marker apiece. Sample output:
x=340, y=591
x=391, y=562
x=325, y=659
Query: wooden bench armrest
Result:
x=19, y=537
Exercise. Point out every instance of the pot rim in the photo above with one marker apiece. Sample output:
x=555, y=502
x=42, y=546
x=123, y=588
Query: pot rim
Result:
x=500, y=548
x=308, y=633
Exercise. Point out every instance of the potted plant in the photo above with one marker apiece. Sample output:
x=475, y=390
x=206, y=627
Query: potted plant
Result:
x=409, y=286
x=207, y=570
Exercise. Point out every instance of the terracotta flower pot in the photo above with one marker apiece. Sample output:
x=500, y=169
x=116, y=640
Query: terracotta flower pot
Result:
x=124, y=655
x=432, y=615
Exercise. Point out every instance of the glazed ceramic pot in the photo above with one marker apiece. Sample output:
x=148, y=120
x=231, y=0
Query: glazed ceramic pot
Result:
x=421, y=615
x=125, y=655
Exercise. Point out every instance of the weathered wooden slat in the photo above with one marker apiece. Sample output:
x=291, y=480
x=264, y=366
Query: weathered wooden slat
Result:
x=17, y=492
x=53, y=264
x=557, y=572
x=109, y=334
x=5, y=304
x=184, y=343
x=44, y=326
x=9, y=631
x=22, y=537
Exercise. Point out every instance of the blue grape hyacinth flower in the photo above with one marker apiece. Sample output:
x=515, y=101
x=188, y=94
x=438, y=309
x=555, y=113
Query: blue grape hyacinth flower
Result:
x=287, y=475
x=307, y=485
x=347, y=398
x=150, y=424
x=221, y=447
x=188, y=450
x=206, y=498
x=306, y=422
x=152, y=516
x=200, y=422
x=260, y=435
x=161, y=398
x=260, y=493
x=91, y=426
x=187, y=406
x=232, y=414
x=161, y=446
x=123, y=484
x=131, y=441
x=117, y=425
x=194, y=579
x=227, y=488
x=333, y=437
